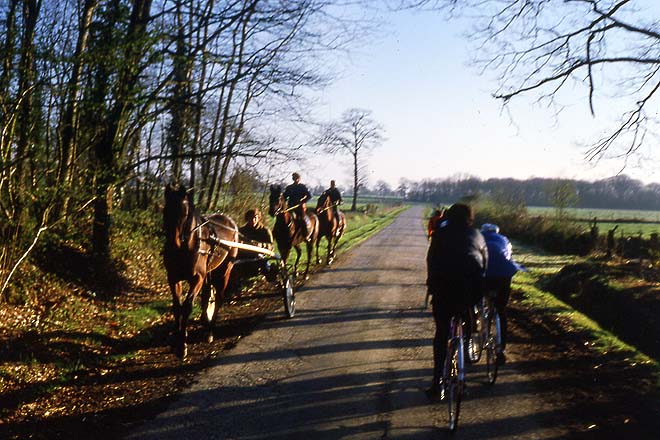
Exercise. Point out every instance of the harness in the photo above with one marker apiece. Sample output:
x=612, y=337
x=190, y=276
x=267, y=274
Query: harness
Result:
x=329, y=207
x=212, y=240
x=291, y=208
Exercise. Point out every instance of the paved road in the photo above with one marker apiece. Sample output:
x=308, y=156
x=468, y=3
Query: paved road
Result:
x=353, y=363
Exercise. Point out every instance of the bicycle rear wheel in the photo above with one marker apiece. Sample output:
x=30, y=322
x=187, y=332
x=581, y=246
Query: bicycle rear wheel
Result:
x=454, y=385
x=473, y=331
x=492, y=345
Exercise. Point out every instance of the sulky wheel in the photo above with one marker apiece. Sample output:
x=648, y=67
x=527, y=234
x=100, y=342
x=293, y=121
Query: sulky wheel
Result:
x=288, y=293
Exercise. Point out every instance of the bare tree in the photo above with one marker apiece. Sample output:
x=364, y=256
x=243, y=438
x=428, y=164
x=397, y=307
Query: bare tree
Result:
x=117, y=83
x=104, y=98
x=611, y=48
x=563, y=195
x=354, y=134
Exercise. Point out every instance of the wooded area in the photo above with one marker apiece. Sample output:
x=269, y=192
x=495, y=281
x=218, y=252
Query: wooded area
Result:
x=102, y=102
x=618, y=192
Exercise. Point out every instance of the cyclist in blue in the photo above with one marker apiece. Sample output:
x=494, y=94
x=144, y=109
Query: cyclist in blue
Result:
x=501, y=268
x=456, y=263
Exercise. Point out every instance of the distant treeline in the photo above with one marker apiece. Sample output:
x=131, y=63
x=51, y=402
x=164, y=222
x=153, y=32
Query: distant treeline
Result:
x=619, y=192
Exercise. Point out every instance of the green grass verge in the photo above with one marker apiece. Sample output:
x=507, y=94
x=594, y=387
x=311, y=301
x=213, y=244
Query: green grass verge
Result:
x=600, y=339
x=361, y=226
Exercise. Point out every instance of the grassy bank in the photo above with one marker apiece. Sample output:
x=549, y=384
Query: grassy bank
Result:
x=603, y=342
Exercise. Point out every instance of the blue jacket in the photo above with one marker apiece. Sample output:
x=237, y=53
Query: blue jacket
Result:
x=500, y=258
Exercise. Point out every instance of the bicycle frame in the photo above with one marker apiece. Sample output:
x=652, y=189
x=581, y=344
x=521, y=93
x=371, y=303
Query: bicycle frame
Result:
x=488, y=309
x=456, y=338
x=454, y=370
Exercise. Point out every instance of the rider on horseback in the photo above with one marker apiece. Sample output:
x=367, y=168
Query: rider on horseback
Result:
x=335, y=198
x=297, y=196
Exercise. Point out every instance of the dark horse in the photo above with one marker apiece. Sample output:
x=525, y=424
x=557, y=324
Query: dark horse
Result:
x=330, y=227
x=287, y=232
x=191, y=253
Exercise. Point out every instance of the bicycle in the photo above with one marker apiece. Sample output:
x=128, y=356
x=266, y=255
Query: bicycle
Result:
x=492, y=335
x=453, y=375
x=484, y=333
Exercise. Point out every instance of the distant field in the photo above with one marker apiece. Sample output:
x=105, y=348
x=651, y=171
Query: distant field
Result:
x=600, y=214
x=386, y=200
x=629, y=221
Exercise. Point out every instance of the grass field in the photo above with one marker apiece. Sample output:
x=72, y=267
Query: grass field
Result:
x=588, y=214
x=629, y=221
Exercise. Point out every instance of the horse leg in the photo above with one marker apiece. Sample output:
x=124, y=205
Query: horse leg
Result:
x=330, y=249
x=309, y=259
x=295, y=264
x=186, y=310
x=335, y=242
x=175, y=288
x=224, y=271
x=318, y=242
x=285, y=256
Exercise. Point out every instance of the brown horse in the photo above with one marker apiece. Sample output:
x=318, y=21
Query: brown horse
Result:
x=288, y=232
x=191, y=253
x=331, y=226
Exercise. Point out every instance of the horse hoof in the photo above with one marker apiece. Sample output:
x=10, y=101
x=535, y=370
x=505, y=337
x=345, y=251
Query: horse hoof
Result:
x=209, y=337
x=330, y=262
x=319, y=261
x=182, y=352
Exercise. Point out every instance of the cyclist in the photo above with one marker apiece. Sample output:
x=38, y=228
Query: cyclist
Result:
x=435, y=219
x=456, y=263
x=501, y=268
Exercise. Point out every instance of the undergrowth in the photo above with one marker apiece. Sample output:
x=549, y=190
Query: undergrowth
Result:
x=533, y=285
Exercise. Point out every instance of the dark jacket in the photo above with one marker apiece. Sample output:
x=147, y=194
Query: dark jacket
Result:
x=334, y=194
x=260, y=235
x=295, y=193
x=456, y=263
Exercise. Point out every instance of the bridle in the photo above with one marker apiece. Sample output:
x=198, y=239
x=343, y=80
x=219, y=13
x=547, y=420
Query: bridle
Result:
x=187, y=231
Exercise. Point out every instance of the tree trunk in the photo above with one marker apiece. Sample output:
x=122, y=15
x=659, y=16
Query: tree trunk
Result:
x=69, y=123
x=356, y=183
x=102, y=220
x=25, y=126
x=108, y=156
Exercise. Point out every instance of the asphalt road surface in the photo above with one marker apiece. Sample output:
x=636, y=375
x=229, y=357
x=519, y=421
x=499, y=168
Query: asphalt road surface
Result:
x=353, y=363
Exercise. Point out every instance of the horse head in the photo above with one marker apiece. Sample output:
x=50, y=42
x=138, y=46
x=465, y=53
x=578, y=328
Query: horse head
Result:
x=177, y=211
x=322, y=203
x=276, y=200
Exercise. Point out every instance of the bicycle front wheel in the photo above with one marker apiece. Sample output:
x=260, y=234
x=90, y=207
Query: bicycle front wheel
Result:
x=492, y=346
x=454, y=385
x=473, y=331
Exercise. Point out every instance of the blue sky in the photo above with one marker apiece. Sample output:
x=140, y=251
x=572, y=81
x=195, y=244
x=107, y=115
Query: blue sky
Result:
x=440, y=119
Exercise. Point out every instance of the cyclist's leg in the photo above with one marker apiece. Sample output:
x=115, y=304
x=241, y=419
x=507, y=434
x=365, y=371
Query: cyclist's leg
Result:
x=441, y=318
x=501, y=301
x=455, y=375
